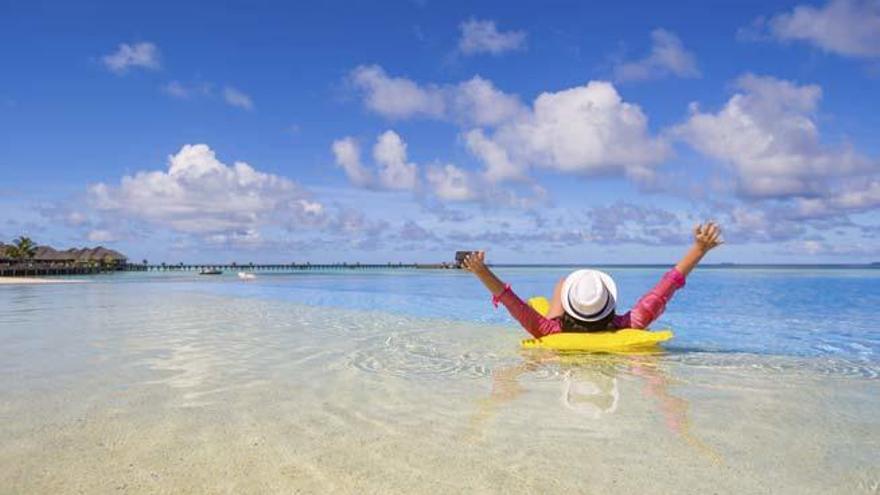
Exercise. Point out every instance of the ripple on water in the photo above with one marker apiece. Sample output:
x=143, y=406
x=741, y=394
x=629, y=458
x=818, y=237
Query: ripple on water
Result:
x=784, y=365
x=418, y=355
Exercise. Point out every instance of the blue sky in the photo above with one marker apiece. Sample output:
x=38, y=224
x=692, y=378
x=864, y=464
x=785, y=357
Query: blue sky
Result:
x=401, y=131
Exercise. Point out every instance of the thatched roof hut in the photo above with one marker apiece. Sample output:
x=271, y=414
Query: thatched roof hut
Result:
x=81, y=256
x=100, y=254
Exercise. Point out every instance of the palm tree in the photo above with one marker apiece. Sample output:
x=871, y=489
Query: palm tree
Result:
x=22, y=248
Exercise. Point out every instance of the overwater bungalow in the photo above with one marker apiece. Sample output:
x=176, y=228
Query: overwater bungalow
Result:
x=48, y=260
x=77, y=257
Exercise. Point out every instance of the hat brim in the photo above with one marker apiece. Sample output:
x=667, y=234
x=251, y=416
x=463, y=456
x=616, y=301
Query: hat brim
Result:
x=569, y=282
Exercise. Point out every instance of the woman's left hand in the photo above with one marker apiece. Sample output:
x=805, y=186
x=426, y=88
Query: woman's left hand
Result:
x=474, y=262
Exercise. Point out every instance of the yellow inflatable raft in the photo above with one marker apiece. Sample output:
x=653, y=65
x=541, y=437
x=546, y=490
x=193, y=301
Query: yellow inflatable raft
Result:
x=625, y=339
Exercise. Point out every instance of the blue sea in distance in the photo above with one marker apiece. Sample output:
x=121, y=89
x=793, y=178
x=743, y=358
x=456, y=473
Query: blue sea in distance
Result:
x=781, y=311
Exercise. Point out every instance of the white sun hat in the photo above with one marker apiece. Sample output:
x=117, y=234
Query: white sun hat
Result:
x=589, y=295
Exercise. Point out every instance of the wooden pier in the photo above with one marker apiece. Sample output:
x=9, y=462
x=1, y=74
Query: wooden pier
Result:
x=275, y=267
x=48, y=270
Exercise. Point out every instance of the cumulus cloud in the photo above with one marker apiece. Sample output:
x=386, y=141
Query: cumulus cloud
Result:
x=237, y=98
x=198, y=194
x=476, y=101
x=393, y=169
x=668, y=57
x=850, y=28
x=447, y=182
x=584, y=130
x=498, y=165
x=396, y=97
x=144, y=55
x=767, y=133
x=478, y=37
x=395, y=172
x=348, y=156
x=451, y=183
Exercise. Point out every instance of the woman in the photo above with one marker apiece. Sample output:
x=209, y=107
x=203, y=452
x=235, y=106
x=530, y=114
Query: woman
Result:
x=586, y=300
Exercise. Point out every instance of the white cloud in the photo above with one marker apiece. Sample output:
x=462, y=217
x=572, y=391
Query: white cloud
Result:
x=846, y=27
x=144, y=55
x=444, y=181
x=101, y=235
x=184, y=91
x=499, y=166
x=852, y=196
x=244, y=238
x=668, y=56
x=476, y=101
x=624, y=222
x=396, y=97
x=451, y=183
x=237, y=98
x=483, y=37
x=585, y=130
x=198, y=194
x=394, y=170
x=766, y=132
x=348, y=156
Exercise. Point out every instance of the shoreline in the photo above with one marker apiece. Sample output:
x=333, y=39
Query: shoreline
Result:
x=35, y=281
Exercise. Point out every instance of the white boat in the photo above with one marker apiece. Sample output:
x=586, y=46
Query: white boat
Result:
x=246, y=276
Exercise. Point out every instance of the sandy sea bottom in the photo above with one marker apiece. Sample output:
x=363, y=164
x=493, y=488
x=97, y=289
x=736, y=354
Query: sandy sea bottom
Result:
x=211, y=394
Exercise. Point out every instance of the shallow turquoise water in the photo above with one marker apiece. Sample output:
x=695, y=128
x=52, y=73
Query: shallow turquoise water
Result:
x=818, y=312
x=409, y=381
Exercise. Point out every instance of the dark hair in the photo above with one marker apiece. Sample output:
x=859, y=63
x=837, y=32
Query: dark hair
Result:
x=571, y=324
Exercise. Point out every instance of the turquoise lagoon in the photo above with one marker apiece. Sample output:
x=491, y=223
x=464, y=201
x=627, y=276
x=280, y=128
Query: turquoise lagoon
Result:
x=408, y=381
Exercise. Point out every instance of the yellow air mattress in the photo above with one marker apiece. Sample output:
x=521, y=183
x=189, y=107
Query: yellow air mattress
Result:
x=619, y=340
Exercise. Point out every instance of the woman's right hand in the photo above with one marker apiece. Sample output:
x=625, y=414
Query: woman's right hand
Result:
x=707, y=236
x=474, y=262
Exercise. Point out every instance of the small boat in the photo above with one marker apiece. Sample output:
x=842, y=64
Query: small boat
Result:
x=246, y=276
x=211, y=272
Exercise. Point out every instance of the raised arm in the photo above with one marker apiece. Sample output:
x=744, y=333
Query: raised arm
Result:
x=530, y=319
x=652, y=304
x=706, y=237
x=476, y=264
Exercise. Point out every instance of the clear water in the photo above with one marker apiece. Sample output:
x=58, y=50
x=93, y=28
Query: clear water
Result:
x=819, y=312
x=409, y=381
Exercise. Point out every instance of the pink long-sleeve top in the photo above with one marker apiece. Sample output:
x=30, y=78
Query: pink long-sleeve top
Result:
x=646, y=310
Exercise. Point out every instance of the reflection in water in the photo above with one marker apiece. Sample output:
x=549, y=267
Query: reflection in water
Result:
x=590, y=388
x=590, y=394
